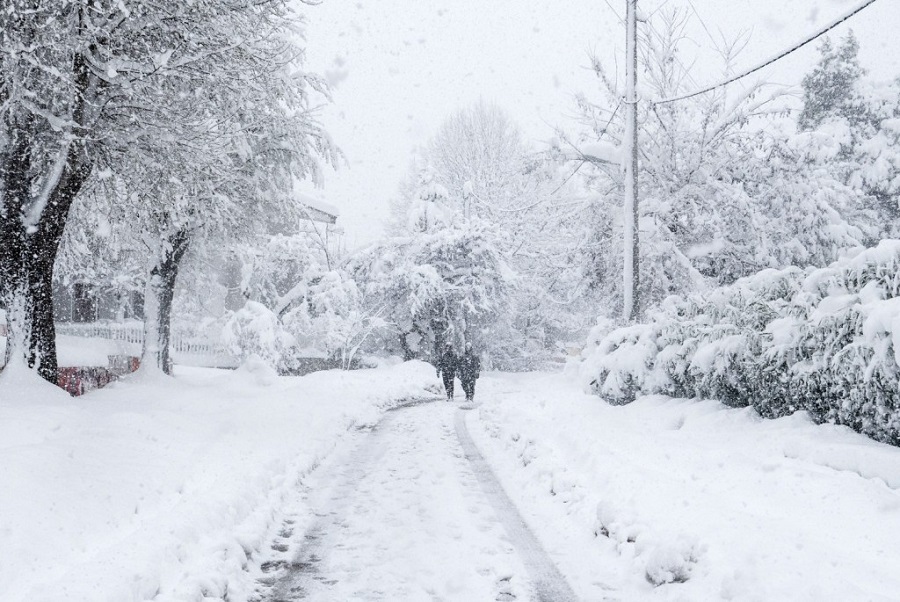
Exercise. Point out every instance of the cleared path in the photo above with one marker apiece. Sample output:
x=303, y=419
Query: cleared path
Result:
x=549, y=584
x=411, y=513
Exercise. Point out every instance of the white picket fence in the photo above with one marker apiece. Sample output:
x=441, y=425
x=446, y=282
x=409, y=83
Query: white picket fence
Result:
x=128, y=332
x=186, y=350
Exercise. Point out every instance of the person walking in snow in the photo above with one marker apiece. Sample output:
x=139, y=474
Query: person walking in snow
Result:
x=469, y=368
x=447, y=366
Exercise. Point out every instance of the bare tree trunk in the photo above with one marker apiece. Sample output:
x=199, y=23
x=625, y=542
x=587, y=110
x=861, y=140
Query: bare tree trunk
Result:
x=16, y=188
x=158, y=299
x=404, y=346
x=29, y=245
x=42, y=351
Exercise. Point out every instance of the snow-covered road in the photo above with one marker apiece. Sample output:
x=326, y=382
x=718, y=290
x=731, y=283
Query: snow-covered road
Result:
x=408, y=512
x=217, y=485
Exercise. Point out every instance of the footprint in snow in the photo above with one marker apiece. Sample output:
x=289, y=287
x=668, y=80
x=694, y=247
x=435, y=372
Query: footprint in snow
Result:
x=505, y=595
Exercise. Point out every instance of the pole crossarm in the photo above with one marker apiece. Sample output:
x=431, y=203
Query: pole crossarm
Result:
x=831, y=25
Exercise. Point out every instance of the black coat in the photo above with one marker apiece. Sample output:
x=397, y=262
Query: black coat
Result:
x=469, y=366
x=448, y=363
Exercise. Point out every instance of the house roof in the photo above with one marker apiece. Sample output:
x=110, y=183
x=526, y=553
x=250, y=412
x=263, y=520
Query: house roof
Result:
x=318, y=210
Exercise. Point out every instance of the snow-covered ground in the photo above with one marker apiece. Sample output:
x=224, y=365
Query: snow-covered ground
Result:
x=160, y=490
x=177, y=490
x=663, y=490
x=399, y=516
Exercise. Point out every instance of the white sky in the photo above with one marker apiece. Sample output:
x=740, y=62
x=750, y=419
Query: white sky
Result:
x=399, y=67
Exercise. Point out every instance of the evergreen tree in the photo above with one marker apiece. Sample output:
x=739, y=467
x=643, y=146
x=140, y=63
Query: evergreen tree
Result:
x=849, y=127
x=832, y=88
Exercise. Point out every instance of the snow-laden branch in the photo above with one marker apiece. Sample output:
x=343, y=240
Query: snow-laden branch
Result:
x=36, y=209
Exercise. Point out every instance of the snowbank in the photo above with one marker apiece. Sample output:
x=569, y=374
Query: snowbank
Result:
x=667, y=499
x=162, y=489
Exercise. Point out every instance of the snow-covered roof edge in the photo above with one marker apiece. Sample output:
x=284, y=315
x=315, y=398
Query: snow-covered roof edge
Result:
x=318, y=205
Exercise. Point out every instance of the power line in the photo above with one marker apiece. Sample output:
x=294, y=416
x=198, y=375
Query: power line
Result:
x=823, y=31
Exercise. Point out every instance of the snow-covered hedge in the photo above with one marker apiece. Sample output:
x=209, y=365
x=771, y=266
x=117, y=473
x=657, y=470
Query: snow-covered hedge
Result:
x=823, y=340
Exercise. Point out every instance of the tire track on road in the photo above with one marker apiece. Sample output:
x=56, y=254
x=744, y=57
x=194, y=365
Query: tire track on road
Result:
x=550, y=584
x=393, y=476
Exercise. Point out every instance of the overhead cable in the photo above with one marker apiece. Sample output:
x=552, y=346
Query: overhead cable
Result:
x=831, y=25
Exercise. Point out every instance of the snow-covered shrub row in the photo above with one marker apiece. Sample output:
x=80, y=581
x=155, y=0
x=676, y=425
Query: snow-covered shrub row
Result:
x=822, y=340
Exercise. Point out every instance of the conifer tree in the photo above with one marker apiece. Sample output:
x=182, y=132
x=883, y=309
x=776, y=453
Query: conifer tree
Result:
x=831, y=89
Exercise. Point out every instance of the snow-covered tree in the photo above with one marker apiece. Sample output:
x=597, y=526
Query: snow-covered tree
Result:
x=479, y=162
x=429, y=208
x=59, y=93
x=334, y=317
x=831, y=89
x=447, y=283
x=721, y=194
x=850, y=126
x=478, y=169
x=198, y=109
x=278, y=273
x=215, y=159
x=260, y=137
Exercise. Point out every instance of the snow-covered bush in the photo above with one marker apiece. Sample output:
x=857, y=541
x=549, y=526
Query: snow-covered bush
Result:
x=822, y=340
x=321, y=309
x=254, y=331
x=334, y=318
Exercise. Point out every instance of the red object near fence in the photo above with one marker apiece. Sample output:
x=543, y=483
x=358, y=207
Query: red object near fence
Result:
x=78, y=380
x=121, y=365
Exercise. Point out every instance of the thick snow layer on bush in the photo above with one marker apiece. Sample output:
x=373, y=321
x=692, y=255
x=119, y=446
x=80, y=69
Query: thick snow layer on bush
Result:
x=163, y=488
x=825, y=340
x=672, y=499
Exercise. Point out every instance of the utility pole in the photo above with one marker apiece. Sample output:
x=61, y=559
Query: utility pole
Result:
x=631, y=249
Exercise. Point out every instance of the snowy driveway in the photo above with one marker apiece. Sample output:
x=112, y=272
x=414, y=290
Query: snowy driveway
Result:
x=411, y=512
